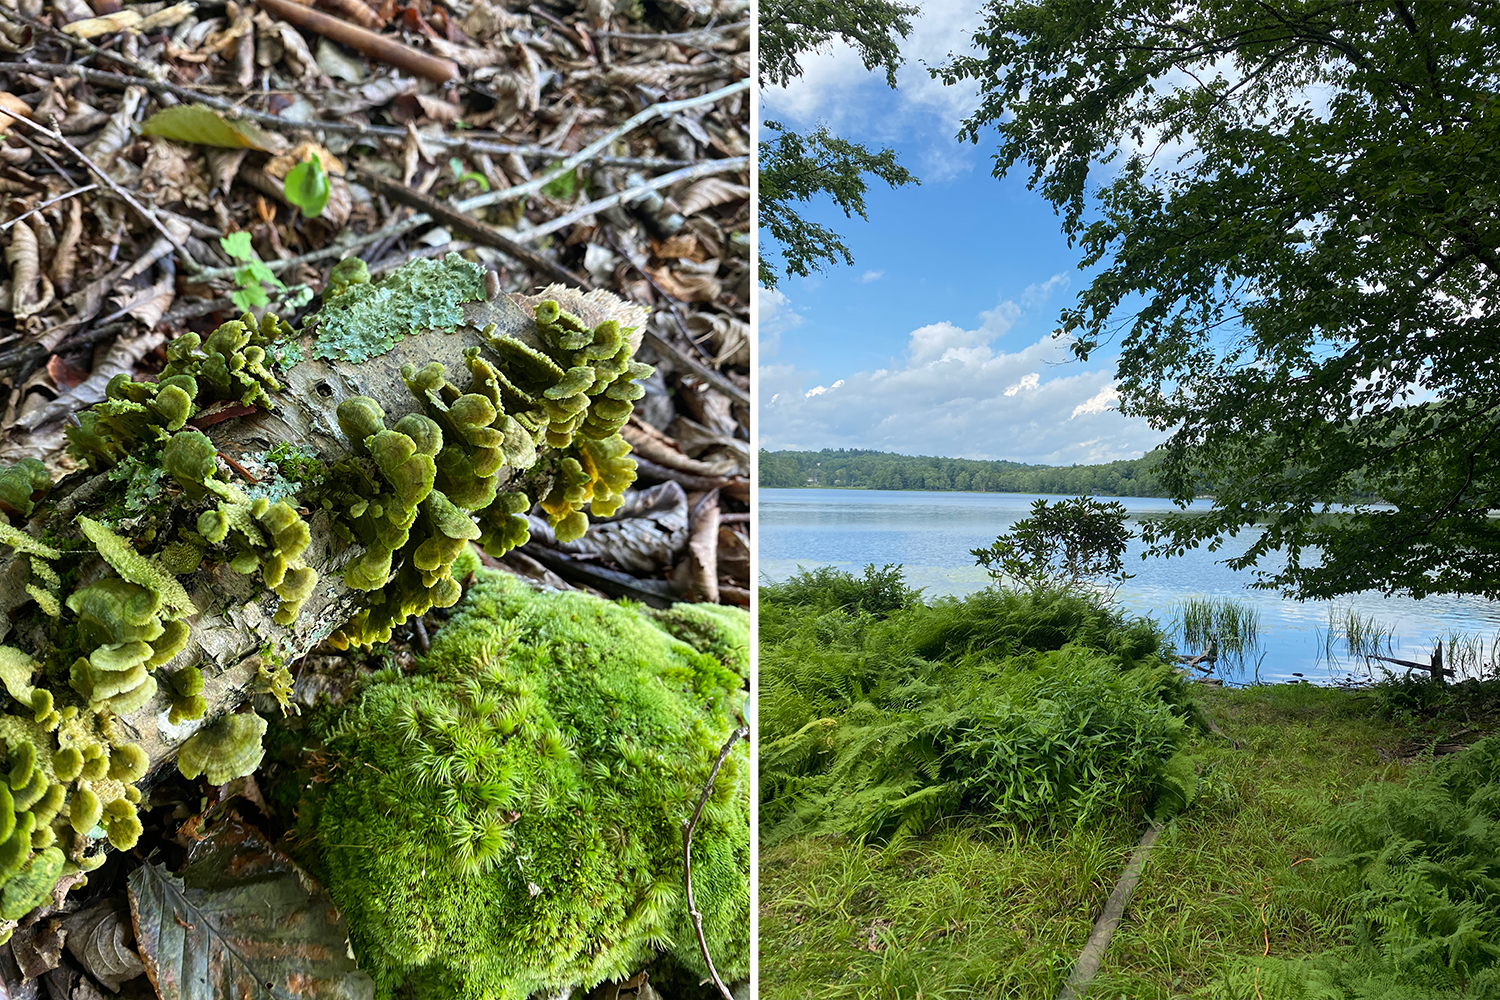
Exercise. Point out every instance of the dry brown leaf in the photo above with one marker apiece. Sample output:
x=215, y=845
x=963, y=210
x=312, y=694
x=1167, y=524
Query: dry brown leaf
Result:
x=730, y=337
x=467, y=55
x=109, y=24
x=150, y=303
x=241, y=23
x=681, y=245
x=709, y=192
x=117, y=131
x=121, y=358
x=65, y=260
x=17, y=108
x=690, y=282
x=168, y=17
x=26, y=273
x=102, y=940
x=171, y=173
x=279, y=166
x=223, y=165
x=439, y=110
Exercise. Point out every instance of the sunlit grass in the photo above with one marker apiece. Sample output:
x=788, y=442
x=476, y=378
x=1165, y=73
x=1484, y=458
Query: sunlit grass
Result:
x=967, y=912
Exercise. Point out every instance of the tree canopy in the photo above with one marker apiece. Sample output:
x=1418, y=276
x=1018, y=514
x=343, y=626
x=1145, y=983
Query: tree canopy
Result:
x=1292, y=209
x=796, y=167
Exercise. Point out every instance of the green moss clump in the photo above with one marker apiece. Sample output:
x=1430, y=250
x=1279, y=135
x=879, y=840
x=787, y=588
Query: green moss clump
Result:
x=361, y=319
x=509, y=819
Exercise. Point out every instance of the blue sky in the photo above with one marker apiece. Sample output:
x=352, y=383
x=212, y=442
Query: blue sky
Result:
x=938, y=340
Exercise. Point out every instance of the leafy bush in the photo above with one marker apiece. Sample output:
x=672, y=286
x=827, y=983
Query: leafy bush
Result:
x=877, y=592
x=1067, y=544
x=1028, y=708
x=1426, y=859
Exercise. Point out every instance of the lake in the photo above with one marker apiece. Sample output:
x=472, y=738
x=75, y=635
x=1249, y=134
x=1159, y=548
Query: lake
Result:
x=931, y=534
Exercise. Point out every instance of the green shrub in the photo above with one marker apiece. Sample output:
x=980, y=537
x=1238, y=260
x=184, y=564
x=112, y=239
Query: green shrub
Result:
x=509, y=819
x=877, y=592
x=1041, y=707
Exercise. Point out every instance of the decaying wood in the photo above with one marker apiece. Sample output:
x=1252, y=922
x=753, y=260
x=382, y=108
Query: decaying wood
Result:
x=234, y=625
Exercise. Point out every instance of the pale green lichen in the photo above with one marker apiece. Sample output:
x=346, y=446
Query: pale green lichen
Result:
x=361, y=319
x=508, y=820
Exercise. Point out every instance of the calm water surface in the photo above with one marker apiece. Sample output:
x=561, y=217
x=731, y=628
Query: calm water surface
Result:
x=931, y=534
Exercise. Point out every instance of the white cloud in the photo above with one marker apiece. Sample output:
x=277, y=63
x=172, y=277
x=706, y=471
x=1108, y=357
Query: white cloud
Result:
x=1030, y=381
x=836, y=88
x=958, y=394
x=1098, y=404
x=869, y=276
x=776, y=316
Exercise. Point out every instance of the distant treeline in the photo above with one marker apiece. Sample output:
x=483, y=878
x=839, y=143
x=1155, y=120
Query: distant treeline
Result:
x=878, y=470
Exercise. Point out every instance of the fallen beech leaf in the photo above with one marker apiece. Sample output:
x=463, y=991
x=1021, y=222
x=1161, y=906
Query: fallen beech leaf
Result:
x=241, y=920
x=709, y=192
x=168, y=17
x=100, y=938
x=92, y=27
x=203, y=125
x=148, y=304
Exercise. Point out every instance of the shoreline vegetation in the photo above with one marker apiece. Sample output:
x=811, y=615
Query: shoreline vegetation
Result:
x=950, y=789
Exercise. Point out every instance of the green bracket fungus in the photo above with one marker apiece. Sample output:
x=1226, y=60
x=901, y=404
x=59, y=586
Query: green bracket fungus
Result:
x=185, y=688
x=229, y=747
x=192, y=460
x=361, y=319
x=508, y=820
x=20, y=485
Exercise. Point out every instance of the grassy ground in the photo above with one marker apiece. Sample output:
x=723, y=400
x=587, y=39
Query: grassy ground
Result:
x=968, y=912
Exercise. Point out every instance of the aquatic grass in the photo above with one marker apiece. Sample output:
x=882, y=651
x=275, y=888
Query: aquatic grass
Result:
x=1357, y=635
x=1236, y=624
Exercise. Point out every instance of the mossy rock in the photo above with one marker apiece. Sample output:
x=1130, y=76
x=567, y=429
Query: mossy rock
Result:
x=509, y=819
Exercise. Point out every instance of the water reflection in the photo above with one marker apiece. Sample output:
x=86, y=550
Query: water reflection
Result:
x=931, y=535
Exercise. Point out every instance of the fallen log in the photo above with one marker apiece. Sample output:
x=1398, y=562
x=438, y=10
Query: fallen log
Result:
x=307, y=516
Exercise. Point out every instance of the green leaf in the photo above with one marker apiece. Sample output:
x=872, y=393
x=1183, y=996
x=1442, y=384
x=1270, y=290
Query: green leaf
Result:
x=307, y=187
x=237, y=245
x=206, y=127
x=562, y=186
x=477, y=178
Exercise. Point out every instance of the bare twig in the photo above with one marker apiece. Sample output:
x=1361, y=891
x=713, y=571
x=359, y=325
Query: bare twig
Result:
x=46, y=204
x=125, y=196
x=596, y=147
x=697, y=367
x=376, y=46
x=630, y=194
x=463, y=143
x=688, y=826
x=471, y=227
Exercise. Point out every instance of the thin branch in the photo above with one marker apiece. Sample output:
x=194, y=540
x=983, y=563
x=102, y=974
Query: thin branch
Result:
x=631, y=194
x=690, y=824
x=592, y=150
x=496, y=197
x=47, y=204
x=121, y=193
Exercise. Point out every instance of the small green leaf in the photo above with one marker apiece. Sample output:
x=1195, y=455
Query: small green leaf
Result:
x=248, y=297
x=477, y=178
x=237, y=245
x=307, y=187
x=457, y=166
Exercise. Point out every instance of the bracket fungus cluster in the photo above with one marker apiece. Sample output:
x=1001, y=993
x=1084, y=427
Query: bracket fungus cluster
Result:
x=95, y=602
